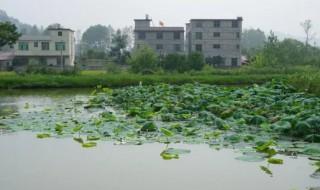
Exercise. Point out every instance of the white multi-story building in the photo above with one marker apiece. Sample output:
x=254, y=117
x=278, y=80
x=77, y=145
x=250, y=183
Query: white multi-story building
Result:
x=56, y=48
x=218, y=39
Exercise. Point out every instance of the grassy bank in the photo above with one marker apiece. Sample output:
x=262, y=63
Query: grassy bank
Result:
x=92, y=79
x=303, y=78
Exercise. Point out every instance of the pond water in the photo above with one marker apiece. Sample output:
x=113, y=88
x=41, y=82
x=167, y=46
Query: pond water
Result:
x=30, y=163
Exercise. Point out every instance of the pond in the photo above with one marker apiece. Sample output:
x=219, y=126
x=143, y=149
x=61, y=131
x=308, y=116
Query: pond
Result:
x=121, y=160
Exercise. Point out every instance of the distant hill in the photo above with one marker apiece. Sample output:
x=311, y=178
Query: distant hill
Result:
x=22, y=27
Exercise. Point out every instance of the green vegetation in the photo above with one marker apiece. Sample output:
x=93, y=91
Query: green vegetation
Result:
x=8, y=34
x=262, y=120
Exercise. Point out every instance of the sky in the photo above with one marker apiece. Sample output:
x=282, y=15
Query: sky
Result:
x=282, y=16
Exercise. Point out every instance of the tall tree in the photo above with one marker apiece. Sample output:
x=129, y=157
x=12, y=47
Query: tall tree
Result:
x=307, y=26
x=119, y=49
x=8, y=34
x=98, y=37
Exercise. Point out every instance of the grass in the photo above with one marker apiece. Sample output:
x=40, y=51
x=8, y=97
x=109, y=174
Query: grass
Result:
x=124, y=79
x=304, y=78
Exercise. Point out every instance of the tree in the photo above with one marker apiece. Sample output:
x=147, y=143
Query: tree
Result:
x=143, y=59
x=98, y=37
x=119, y=46
x=252, y=41
x=8, y=34
x=307, y=26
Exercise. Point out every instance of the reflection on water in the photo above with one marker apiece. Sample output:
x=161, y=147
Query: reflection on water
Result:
x=31, y=164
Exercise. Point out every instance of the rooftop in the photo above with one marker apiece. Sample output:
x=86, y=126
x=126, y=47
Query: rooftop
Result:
x=161, y=29
x=238, y=18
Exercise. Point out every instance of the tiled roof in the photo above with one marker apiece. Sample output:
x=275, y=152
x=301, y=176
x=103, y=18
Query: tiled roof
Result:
x=4, y=56
x=34, y=38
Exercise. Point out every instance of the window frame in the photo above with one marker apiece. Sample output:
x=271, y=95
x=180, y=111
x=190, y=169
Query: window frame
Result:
x=23, y=46
x=198, y=36
x=42, y=46
x=159, y=35
x=216, y=46
x=216, y=23
x=176, y=35
x=60, y=44
x=218, y=34
x=197, y=47
x=142, y=35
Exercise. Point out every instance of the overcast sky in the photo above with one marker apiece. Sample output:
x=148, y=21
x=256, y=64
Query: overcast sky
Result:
x=279, y=15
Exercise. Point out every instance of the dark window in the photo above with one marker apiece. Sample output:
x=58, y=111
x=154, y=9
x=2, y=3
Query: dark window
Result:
x=234, y=61
x=199, y=24
x=235, y=24
x=238, y=46
x=60, y=46
x=59, y=33
x=199, y=47
x=159, y=35
x=238, y=35
x=35, y=44
x=198, y=35
x=216, y=34
x=159, y=46
x=216, y=23
x=45, y=45
x=176, y=35
x=177, y=47
x=141, y=35
x=23, y=46
x=216, y=46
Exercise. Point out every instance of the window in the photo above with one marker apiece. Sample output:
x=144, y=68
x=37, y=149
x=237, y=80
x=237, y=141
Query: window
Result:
x=237, y=46
x=60, y=46
x=199, y=24
x=235, y=24
x=216, y=34
x=238, y=35
x=59, y=33
x=45, y=45
x=216, y=46
x=141, y=35
x=159, y=46
x=199, y=47
x=198, y=35
x=176, y=35
x=216, y=23
x=234, y=61
x=177, y=47
x=159, y=35
x=35, y=44
x=23, y=46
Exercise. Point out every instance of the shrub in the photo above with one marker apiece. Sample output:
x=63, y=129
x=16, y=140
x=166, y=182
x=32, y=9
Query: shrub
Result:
x=175, y=62
x=143, y=58
x=196, y=61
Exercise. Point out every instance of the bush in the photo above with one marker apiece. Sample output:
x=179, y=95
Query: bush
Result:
x=196, y=61
x=175, y=62
x=143, y=59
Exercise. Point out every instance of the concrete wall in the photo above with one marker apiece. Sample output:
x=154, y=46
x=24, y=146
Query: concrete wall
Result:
x=168, y=42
